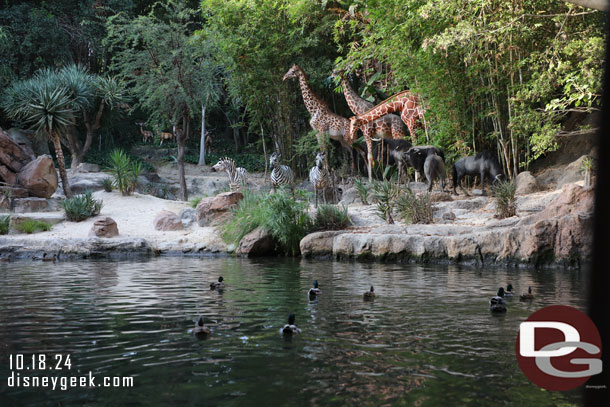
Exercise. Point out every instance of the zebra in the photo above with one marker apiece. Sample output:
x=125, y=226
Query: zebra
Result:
x=237, y=175
x=280, y=174
x=319, y=177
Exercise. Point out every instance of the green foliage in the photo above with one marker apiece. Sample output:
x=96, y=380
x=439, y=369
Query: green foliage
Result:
x=363, y=190
x=385, y=194
x=587, y=164
x=81, y=207
x=193, y=202
x=4, y=224
x=504, y=193
x=414, y=208
x=288, y=220
x=125, y=171
x=331, y=217
x=107, y=184
x=252, y=212
x=31, y=225
x=280, y=213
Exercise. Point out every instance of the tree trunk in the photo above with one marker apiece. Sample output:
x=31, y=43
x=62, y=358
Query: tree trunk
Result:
x=181, y=177
x=61, y=164
x=202, y=146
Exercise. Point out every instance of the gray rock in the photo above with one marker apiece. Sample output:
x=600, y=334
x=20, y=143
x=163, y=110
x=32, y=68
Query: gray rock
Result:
x=259, y=242
x=87, y=181
x=104, y=227
x=318, y=244
x=87, y=167
x=187, y=215
x=350, y=196
x=167, y=220
x=526, y=183
x=448, y=216
x=27, y=205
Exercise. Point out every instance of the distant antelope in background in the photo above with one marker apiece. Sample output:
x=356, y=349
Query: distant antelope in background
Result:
x=208, y=142
x=165, y=136
x=146, y=134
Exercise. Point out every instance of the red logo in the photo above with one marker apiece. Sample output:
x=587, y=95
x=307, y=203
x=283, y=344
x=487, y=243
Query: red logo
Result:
x=559, y=348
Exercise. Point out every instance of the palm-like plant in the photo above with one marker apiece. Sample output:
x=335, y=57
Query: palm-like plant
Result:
x=49, y=110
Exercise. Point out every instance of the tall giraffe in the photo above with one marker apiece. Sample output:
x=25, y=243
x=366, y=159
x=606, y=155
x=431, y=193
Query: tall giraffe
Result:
x=323, y=120
x=389, y=125
x=405, y=102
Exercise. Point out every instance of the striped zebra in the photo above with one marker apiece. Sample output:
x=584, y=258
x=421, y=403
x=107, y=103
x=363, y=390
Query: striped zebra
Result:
x=280, y=174
x=237, y=175
x=319, y=177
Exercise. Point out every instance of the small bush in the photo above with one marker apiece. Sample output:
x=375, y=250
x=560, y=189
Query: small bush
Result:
x=363, y=190
x=288, y=220
x=125, y=171
x=81, y=207
x=331, y=217
x=504, y=192
x=107, y=184
x=413, y=208
x=385, y=194
x=30, y=226
x=4, y=224
x=193, y=202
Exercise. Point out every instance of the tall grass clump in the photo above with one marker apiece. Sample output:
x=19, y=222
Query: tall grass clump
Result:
x=331, y=217
x=250, y=213
x=81, y=207
x=125, y=171
x=363, y=190
x=4, y=224
x=504, y=192
x=107, y=184
x=385, y=194
x=30, y=226
x=413, y=208
x=193, y=202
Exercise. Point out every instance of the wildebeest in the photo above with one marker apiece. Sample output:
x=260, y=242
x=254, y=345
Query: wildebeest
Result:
x=434, y=167
x=485, y=163
x=416, y=156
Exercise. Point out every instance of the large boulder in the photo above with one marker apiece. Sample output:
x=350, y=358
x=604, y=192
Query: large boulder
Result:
x=350, y=196
x=318, y=244
x=212, y=211
x=167, y=220
x=526, y=183
x=27, y=205
x=104, y=227
x=39, y=177
x=187, y=215
x=13, y=157
x=86, y=167
x=86, y=181
x=259, y=242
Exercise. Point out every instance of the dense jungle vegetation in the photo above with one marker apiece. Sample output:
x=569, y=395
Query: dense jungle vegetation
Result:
x=492, y=73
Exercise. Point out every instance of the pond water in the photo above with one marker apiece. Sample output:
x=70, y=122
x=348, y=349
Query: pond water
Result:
x=428, y=339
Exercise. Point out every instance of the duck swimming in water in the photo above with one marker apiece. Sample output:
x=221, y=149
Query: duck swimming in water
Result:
x=45, y=257
x=528, y=296
x=6, y=258
x=497, y=303
x=290, y=328
x=200, y=330
x=219, y=285
x=509, y=290
x=369, y=295
x=315, y=290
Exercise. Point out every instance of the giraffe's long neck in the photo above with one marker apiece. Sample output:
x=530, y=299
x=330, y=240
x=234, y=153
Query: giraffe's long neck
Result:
x=312, y=102
x=354, y=101
x=390, y=106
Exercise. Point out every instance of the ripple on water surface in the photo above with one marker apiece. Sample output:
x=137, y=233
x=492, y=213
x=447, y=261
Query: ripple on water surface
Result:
x=426, y=339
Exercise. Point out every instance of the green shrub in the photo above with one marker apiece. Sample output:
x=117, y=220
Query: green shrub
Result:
x=125, y=171
x=280, y=213
x=363, y=190
x=504, y=192
x=107, y=184
x=81, y=207
x=331, y=217
x=413, y=208
x=4, y=224
x=251, y=213
x=30, y=226
x=193, y=202
x=288, y=220
x=385, y=194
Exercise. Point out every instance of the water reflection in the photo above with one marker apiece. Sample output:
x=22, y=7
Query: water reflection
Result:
x=427, y=338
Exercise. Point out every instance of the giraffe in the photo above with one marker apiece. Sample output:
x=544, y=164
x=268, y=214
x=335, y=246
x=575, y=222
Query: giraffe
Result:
x=405, y=102
x=382, y=127
x=323, y=120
